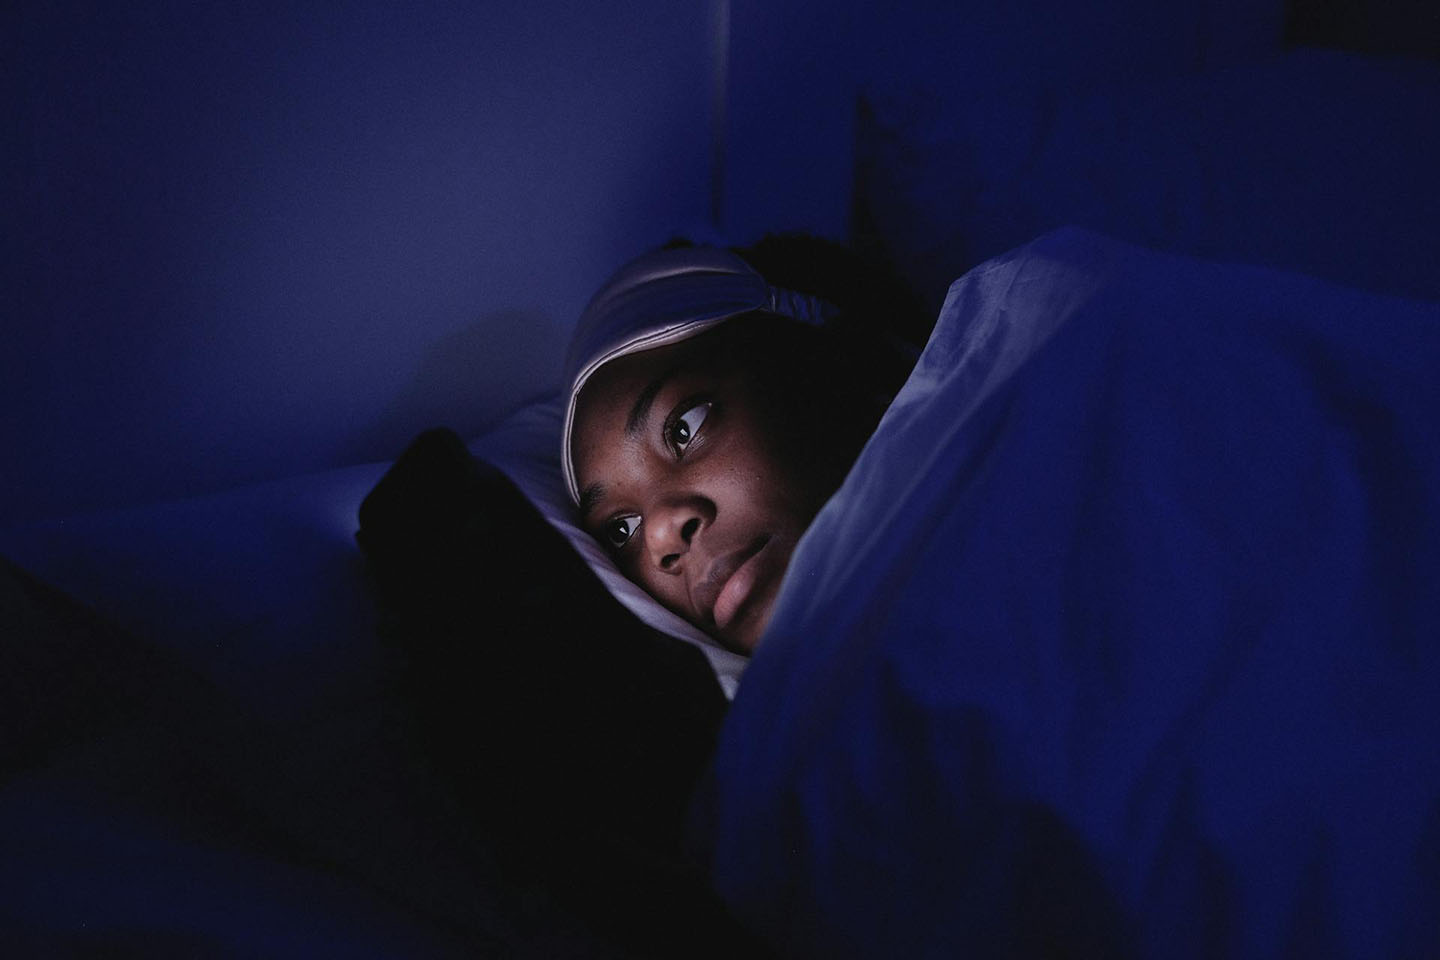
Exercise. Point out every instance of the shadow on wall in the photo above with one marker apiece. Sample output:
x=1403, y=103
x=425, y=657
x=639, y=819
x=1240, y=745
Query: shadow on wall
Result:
x=469, y=381
x=1386, y=27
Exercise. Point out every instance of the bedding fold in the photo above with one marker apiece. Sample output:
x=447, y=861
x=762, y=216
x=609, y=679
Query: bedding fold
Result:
x=1119, y=639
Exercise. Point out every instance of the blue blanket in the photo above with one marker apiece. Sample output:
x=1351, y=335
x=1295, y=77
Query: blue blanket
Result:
x=1121, y=638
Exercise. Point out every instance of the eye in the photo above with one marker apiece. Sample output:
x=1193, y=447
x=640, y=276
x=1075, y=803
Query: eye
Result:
x=682, y=429
x=619, y=530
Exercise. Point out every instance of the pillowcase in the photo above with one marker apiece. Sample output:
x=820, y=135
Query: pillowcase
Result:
x=526, y=448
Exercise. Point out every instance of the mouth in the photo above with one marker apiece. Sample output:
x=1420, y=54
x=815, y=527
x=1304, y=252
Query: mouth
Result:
x=730, y=581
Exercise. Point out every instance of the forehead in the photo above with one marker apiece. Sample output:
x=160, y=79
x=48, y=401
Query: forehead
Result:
x=719, y=359
x=608, y=398
x=612, y=390
x=606, y=442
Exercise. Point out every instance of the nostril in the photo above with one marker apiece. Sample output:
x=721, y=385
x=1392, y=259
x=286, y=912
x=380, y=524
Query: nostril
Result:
x=669, y=560
x=687, y=532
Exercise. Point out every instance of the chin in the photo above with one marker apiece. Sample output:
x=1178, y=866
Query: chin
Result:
x=745, y=634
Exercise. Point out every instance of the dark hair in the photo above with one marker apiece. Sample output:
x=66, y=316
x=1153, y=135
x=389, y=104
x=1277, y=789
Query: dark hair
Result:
x=867, y=290
x=880, y=324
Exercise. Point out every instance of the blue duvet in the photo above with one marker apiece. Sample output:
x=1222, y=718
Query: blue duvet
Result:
x=1121, y=638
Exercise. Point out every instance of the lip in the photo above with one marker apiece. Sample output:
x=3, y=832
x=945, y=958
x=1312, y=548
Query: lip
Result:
x=729, y=581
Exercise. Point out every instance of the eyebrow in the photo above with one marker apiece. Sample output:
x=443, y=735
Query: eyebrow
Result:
x=640, y=412
x=592, y=495
x=634, y=426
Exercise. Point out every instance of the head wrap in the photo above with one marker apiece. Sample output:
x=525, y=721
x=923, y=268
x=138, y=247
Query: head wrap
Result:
x=662, y=298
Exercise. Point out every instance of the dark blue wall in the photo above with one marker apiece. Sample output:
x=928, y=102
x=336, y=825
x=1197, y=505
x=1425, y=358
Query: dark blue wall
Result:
x=250, y=240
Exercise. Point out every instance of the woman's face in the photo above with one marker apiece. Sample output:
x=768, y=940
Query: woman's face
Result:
x=693, y=474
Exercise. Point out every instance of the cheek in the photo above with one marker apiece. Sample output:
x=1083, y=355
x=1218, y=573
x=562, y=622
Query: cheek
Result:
x=809, y=449
x=670, y=591
x=764, y=478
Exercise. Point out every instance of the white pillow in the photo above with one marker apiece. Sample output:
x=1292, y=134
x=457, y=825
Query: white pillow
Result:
x=526, y=448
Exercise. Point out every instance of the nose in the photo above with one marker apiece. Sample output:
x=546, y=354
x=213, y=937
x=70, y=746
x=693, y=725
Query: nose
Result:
x=673, y=528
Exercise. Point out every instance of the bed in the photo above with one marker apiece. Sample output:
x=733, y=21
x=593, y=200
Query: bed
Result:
x=234, y=729
x=253, y=739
